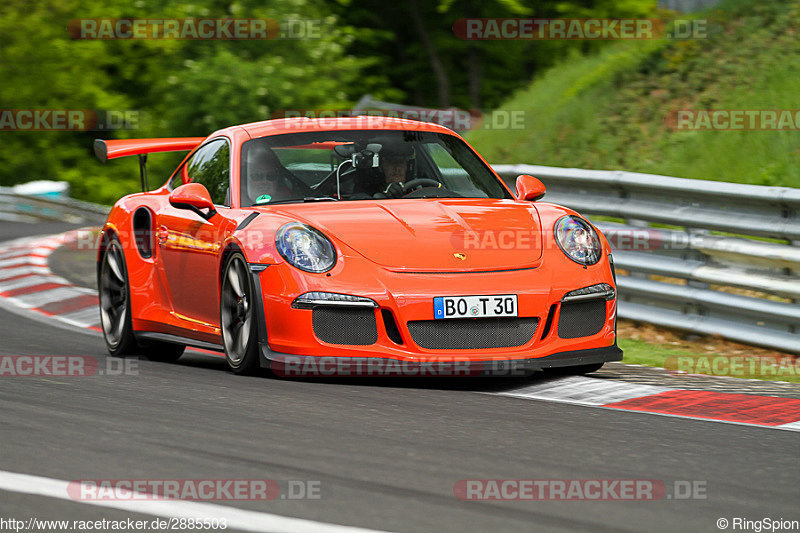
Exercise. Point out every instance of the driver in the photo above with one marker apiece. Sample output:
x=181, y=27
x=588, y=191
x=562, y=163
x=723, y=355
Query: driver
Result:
x=266, y=176
x=395, y=161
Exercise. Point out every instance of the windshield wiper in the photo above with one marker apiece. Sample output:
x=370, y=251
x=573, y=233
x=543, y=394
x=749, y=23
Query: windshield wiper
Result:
x=306, y=199
x=320, y=199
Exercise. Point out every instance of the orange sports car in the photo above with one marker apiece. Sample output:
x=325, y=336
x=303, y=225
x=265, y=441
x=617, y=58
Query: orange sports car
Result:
x=351, y=246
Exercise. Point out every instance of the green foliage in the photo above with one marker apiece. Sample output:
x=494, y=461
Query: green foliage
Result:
x=600, y=108
x=480, y=73
x=41, y=70
x=607, y=111
x=179, y=87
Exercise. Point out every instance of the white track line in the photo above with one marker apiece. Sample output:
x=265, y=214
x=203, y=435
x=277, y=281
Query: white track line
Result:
x=236, y=518
x=7, y=273
x=30, y=281
x=16, y=255
x=23, y=260
x=86, y=317
x=38, y=299
x=584, y=391
x=36, y=249
x=596, y=392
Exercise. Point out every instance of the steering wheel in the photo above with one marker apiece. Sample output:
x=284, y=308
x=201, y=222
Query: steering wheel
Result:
x=419, y=183
x=411, y=187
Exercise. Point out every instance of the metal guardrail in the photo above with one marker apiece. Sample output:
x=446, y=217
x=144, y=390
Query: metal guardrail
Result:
x=673, y=270
x=694, y=255
x=23, y=208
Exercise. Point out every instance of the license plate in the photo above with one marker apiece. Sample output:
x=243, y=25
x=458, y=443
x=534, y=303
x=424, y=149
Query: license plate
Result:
x=475, y=306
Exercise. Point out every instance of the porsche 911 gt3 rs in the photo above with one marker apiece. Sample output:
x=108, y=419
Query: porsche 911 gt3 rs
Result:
x=347, y=241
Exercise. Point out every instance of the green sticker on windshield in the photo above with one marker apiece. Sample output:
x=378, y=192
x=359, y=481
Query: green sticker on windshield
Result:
x=263, y=199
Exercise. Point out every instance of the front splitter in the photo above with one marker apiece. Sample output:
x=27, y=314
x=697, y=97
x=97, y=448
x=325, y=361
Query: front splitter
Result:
x=292, y=365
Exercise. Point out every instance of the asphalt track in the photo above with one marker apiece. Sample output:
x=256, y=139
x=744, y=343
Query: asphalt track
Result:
x=386, y=453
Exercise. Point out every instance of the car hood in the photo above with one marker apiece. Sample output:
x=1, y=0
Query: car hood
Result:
x=432, y=235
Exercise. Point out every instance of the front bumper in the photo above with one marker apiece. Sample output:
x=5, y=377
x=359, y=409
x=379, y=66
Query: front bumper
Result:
x=291, y=365
x=288, y=344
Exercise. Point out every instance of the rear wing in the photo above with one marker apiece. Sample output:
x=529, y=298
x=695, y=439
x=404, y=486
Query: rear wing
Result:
x=105, y=150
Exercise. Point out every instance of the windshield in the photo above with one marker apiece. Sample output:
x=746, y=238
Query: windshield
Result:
x=362, y=165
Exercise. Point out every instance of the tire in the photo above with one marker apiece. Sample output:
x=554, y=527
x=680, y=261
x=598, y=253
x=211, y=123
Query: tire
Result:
x=238, y=322
x=115, y=311
x=115, y=301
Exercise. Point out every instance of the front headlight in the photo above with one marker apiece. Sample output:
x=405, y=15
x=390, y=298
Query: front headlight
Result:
x=578, y=240
x=305, y=247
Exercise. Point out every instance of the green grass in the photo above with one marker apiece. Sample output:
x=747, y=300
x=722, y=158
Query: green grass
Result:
x=607, y=111
x=644, y=353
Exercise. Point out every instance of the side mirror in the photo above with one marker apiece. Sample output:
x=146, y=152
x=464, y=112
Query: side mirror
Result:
x=194, y=197
x=529, y=188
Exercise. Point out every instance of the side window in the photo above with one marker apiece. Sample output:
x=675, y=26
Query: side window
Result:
x=177, y=179
x=453, y=175
x=210, y=165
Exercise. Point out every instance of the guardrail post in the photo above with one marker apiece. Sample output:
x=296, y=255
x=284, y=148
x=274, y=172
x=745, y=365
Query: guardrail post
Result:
x=636, y=223
x=796, y=273
x=692, y=232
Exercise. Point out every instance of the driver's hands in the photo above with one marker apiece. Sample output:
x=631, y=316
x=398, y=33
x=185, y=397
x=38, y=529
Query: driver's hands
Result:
x=394, y=190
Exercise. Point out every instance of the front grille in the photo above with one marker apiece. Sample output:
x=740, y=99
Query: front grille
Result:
x=472, y=333
x=581, y=319
x=343, y=325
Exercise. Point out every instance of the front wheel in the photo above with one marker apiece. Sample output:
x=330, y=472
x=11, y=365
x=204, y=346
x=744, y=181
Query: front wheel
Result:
x=237, y=317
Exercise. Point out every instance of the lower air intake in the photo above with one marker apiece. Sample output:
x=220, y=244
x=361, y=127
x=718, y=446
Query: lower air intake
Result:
x=472, y=333
x=354, y=326
x=581, y=319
